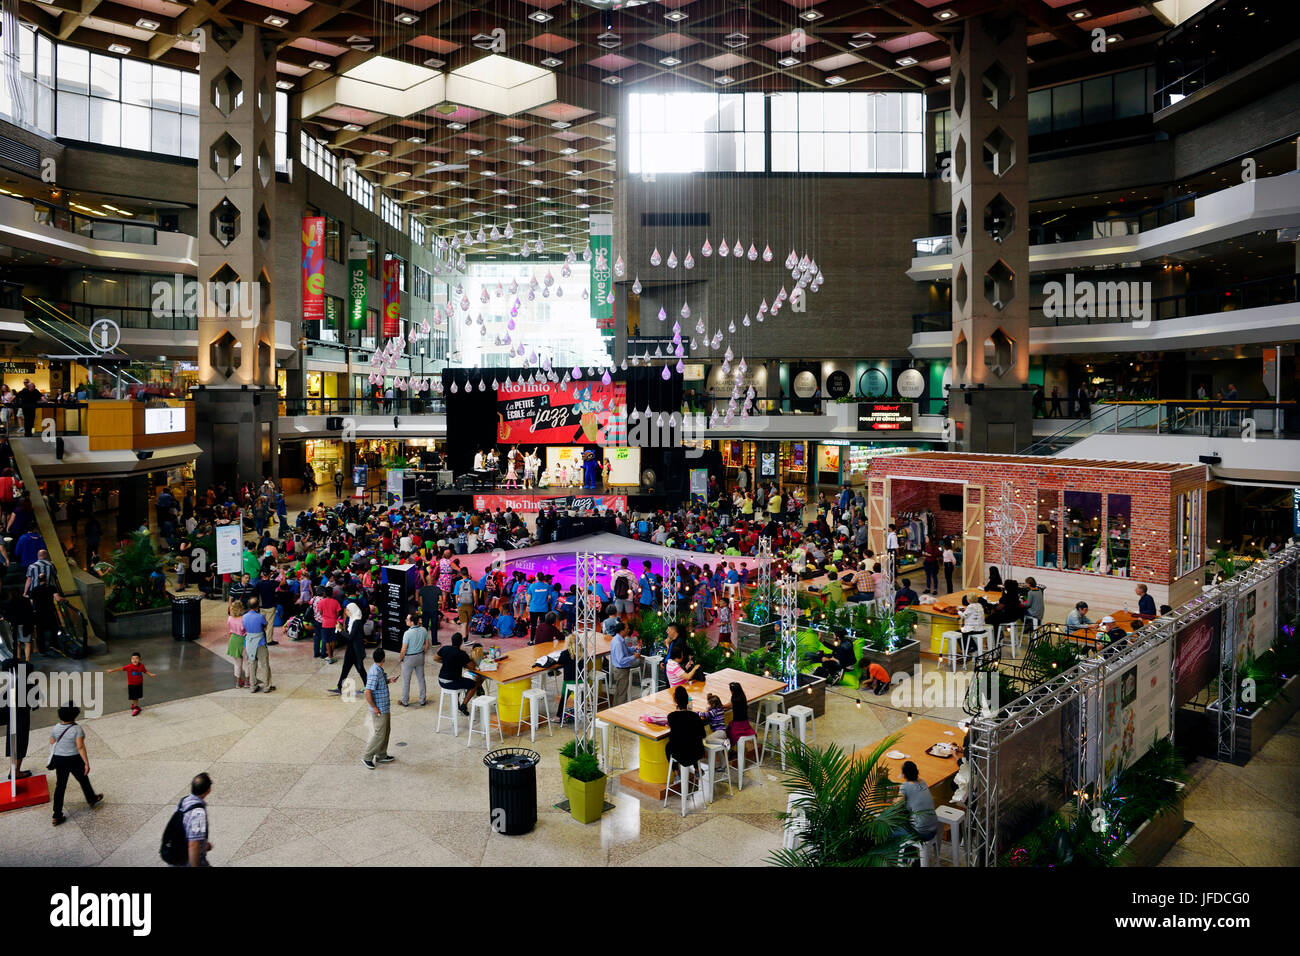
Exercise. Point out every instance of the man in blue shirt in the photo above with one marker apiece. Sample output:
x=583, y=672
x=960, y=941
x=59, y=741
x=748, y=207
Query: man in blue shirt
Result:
x=646, y=583
x=622, y=659
x=1146, y=603
x=28, y=547
x=259, y=660
x=539, y=602
x=377, y=700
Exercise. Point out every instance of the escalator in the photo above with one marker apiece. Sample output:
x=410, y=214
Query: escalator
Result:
x=63, y=335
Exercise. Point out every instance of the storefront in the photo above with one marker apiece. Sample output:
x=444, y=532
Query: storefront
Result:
x=1087, y=529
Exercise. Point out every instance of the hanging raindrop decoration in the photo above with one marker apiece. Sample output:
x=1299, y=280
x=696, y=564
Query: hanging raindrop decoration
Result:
x=619, y=267
x=706, y=250
x=654, y=258
x=689, y=261
x=636, y=286
x=723, y=251
x=672, y=259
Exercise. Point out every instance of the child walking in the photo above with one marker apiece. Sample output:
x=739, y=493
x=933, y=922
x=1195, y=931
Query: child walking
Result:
x=135, y=674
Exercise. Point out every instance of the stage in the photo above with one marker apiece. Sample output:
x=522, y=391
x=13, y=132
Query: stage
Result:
x=496, y=496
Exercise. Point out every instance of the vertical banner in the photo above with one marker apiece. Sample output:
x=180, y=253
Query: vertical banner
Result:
x=396, y=477
x=230, y=548
x=392, y=300
x=313, y=268
x=601, y=232
x=358, y=254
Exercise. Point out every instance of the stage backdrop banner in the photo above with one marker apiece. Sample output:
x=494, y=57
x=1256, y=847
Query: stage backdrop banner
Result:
x=1136, y=709
x=358, y=256
x=601, y=232
x=313, y=268
x=523, y=505
x=555, y=414
x=392, y=300
x=1196, y=656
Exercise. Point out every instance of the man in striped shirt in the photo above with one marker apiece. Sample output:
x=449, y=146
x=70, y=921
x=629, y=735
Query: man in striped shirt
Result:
x=377, y=700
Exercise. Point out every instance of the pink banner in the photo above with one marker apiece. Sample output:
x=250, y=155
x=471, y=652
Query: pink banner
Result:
x=530, y=505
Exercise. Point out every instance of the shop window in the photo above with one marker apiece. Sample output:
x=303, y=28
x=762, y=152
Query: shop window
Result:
x=1049, y=527
x=1119, y=522
x=1083, y=531
x=1189, y=534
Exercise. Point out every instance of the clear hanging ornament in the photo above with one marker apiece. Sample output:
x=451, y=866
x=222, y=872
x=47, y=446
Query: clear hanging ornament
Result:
x=699, y=326
x=737, y=250
x=609, y=299
x=681, y=366
x=495, y=234
x=482, y=236
x=559, y=292
x=706, y=250
x=619, y=268
x=636, y=286
x=654, y=258
x=662, y=316
x=537, y=246
x=454, y=389
x=723, y=251
x=672, y=259
x=752, y=255
x=692, y=343
x=665, y=375
x=509, y=232
x=731, y=327
x=584, y=295
x=550, y=279
x=767, y=253
x=686, y=310
x=745, y=320
x=677, y=329
x=689, y=261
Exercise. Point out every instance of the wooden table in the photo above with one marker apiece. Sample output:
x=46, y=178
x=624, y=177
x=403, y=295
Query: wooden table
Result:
x=943, y=614
x=651, y=777
x=516, y=668
x=916, y=737
x=1123, y=620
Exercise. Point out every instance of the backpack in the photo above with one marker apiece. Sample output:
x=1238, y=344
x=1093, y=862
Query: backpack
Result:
x=293, y=628
x=621, y=587
x=175, y=847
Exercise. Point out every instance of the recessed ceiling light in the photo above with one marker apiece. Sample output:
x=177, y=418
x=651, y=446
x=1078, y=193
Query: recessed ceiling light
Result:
x=810, y=15
x=511, y=205
x=609, y=41
x=860, y=40
x=422, y=192
x=788, y=61
x=569, y=150
x=583, y=205
x=560, y=124
x=946, y=14
x=579, y=191
x=540, y=16
x=552, y=62
x=319, y=65
x=437, y=205
x=455, y=126
x=363, y=47
x=453, y=182
x=676, y=16
x=1114, y=38
x=500, y=191
x=1083, y=13
x=835, y=80
x=735, y=41
x=279, y=84
x=906, y=61
x=575, y=171
x=415, y=139
x=514, y=139
x=474, y=152
x=434, y=63
x=670, y=61
x=724, y=79
x=403, y=172
x=536, y=182
x=434, y=165
x=144, y=23
x=379, y=152
x=119, y=48
x=352, y=127
x=276, y=20
x=525, y=162
x=945, y=80
x=612, y=80
x=407, y=18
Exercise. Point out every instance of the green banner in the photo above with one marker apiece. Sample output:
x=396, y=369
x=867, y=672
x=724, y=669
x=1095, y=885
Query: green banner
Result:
x=602, y=269
x=358, y=257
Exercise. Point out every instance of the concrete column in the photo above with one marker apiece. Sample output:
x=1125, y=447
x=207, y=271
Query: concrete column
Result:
x=236, y=407
x=990, y=209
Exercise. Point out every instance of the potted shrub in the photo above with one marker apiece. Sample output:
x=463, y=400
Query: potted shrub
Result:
x=889, y=639
x=584, y=785
x=138, y=603
x=758, y=622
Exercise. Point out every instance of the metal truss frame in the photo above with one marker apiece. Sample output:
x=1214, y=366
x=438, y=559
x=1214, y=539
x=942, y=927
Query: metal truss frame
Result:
x=586, y=661
x=788, y=589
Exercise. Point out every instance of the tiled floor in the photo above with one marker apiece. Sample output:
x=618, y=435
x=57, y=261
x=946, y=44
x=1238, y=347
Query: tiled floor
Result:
x=290, y=788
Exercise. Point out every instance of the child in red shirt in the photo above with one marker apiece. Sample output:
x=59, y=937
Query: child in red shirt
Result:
x=135, y=674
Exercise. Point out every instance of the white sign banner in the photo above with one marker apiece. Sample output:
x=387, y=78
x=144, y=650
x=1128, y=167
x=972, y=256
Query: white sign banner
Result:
x=230, y=548
x=395, y=477
x=1136, y=710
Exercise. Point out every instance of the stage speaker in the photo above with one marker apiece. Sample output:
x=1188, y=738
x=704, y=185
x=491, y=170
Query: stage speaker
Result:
x=648, y=481
x=444, y=479
x=334, y=423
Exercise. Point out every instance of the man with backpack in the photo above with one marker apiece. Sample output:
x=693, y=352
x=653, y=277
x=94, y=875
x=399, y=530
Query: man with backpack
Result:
x=621, y=584
x=185, y=840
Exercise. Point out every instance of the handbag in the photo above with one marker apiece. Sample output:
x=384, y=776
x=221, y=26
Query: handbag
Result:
x=50, y=765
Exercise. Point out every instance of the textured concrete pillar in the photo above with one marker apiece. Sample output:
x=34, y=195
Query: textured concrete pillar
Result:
x=990, y=210
x=237, y=409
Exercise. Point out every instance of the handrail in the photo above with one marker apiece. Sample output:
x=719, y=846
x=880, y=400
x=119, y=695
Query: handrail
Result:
x=1061, y=438
x=398, y=405
x=66, y=219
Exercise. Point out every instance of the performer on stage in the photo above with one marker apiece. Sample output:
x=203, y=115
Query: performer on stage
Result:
x=513, y=462
x=590, y=470
x=531, y=466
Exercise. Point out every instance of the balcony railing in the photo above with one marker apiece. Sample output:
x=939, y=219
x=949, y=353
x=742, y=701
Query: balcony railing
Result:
x=1257, y=293
x=403, y=405
x=91, y=227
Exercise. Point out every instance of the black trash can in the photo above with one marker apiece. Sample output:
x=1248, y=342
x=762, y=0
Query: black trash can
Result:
x=512, y=789
x=186, y=618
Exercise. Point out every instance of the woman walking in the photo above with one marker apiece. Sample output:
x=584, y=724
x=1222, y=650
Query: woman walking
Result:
x=68, y=756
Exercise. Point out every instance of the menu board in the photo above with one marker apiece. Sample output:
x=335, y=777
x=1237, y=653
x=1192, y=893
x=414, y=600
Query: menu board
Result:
x=1136, y=709
x=885, y=416
x=395, y=594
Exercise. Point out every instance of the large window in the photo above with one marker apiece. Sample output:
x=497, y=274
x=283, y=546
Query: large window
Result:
x=423, y=283
x=1102, y=99
x=390, y=211
x=359, y=188
x=689, y=132
x=417, y=232
x=333, y=239
x=282, y=133
x=317, y=157
x=848, y=132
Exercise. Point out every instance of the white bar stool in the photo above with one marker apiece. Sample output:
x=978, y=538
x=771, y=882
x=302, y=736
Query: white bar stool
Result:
x=796, y=823
x=683, y=783
x=926, y=850
x=453, y=697
x=653, y=661
x=716, y=753
x=537, y=713
x=741, y=750
x=1010, y=633
x=803, y=718
x=600, y=682
x=953, y=817
x=603, y=727
x=480, y=711
x=955, y=645
x=781, y=724
x=769, y=705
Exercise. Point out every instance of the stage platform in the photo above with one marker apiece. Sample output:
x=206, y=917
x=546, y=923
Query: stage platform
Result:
x=564, y=498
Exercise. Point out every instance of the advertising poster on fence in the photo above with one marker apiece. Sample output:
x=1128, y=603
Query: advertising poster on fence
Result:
x=396, y=476
x=1136, y=709
x=313, y=268
x=1196, y=656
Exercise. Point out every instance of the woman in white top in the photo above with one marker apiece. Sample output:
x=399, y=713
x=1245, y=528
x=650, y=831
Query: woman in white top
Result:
x=531, y=461
x=512, y=473
x=949, y=563
x=971, y=614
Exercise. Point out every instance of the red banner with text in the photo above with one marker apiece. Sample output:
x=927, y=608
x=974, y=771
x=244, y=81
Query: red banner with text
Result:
x=313, y=268
x=392, y=299
x=579, y=413
x=527, y=505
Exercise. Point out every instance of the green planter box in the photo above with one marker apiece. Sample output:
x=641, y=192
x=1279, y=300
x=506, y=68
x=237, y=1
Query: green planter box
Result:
x=586, y=798
x=151, y=622
x=1154, y=838
x=1254, y=730
x=752, y=637
x=904, y=659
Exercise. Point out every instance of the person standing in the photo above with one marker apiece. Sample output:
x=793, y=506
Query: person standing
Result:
x=68, y=757
x=259, y=656
x=622, y=658
x=354, y=648
x=1056, y=403
x=414, y=640
x=135, y=675
x=338, y=483
x=377, y=682
x=41, y=588
x=194, y=820
x=235, y=645
x=949, y=563
x=930, y=554
x=28, y=398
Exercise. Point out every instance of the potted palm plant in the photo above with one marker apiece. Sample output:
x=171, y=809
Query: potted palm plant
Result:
x=889, y=637
x=757, y=623
x=845, y=807
x=138, y=604
x=584, y=785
